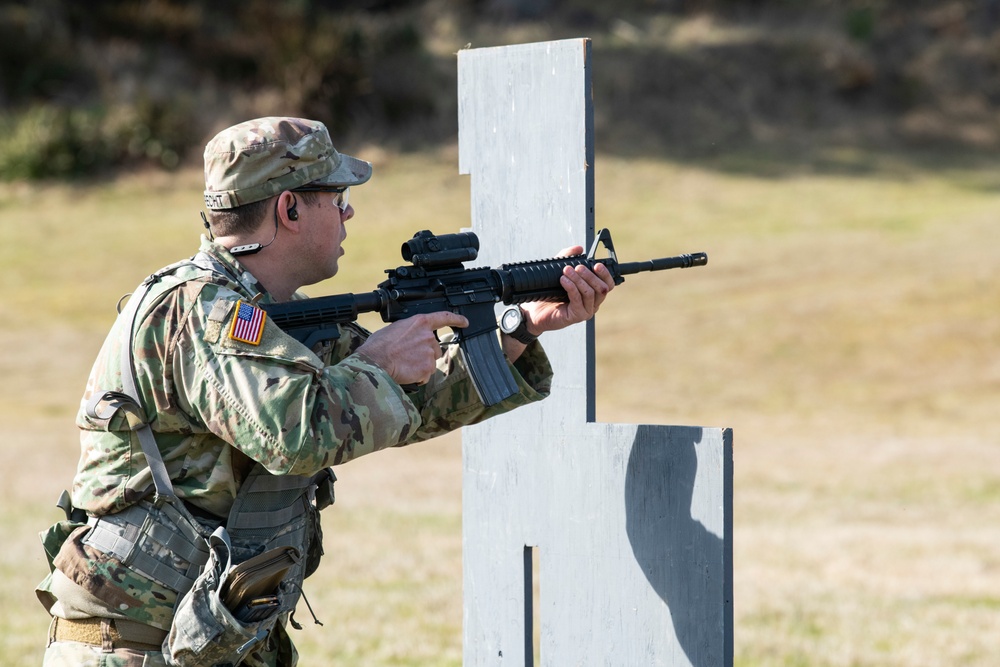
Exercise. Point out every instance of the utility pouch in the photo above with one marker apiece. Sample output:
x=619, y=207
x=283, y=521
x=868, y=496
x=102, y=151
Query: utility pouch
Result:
x=54, y=536
x=53, y=539
x=205, y=631
x=252, y=588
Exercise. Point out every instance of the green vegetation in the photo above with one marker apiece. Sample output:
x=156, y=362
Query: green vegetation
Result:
x=97, y=87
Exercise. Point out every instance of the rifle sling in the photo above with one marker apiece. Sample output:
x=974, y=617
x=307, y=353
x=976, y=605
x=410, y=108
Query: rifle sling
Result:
x=129, y=401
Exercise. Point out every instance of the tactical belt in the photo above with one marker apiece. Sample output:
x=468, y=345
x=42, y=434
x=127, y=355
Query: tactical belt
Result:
x=108, y=633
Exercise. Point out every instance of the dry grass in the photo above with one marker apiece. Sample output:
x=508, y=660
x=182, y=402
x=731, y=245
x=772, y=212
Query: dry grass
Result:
x=845, y=327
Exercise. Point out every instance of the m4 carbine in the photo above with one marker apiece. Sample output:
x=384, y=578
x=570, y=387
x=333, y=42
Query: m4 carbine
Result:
x=436, y=280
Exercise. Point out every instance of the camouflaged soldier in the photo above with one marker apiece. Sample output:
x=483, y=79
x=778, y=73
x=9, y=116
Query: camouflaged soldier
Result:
x=207, y=433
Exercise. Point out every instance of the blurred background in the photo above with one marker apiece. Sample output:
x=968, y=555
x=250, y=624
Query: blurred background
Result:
x=89, y=88
x=836, y=159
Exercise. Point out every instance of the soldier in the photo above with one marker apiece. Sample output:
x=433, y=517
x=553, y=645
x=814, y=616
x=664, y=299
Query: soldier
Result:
x=207, y=433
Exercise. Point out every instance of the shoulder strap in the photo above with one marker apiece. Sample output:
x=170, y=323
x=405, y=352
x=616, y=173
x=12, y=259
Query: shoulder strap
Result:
x=105, y=405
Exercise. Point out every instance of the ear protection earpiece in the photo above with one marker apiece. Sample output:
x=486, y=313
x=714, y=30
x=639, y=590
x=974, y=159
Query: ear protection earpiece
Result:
x=293, y=213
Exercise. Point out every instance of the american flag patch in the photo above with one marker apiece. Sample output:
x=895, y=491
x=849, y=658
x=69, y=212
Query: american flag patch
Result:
x=248, y=325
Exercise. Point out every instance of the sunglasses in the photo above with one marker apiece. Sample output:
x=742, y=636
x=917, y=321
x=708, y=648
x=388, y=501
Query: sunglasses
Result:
x=341, y=196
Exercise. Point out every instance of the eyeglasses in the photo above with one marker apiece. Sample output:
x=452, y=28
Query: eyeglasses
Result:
x=341, y=196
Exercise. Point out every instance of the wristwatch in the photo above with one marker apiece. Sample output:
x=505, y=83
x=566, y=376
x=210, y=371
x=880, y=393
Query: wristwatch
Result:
x=513, y=324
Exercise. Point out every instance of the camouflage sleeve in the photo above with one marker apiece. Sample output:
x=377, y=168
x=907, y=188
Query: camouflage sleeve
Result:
x=277, y=402
x=449, y=400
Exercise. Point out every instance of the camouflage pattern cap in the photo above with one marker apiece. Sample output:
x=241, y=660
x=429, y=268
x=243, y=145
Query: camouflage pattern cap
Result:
x=261, y=158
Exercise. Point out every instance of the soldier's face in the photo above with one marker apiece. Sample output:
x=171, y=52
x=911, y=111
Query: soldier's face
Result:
x=327, y=231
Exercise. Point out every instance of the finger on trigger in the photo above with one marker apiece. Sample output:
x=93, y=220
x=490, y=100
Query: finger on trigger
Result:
x=446, y=318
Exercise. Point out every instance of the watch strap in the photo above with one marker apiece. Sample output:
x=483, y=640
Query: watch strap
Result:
x=521, y=333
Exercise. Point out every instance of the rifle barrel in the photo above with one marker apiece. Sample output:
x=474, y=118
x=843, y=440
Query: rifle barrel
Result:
x=679, y=262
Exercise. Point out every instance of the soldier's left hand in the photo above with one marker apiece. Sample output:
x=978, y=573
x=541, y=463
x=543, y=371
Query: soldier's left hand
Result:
x=585, y=289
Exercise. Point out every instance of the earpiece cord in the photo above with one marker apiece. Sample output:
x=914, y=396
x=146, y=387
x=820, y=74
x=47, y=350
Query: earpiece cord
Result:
x=253, y=248
x=211, y=236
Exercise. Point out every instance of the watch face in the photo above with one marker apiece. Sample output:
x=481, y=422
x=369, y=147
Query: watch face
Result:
x=510, y=319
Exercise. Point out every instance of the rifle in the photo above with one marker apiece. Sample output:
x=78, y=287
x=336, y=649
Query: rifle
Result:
x=436, y=280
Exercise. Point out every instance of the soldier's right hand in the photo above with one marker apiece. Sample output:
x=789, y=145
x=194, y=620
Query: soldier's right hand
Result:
x=408, y=349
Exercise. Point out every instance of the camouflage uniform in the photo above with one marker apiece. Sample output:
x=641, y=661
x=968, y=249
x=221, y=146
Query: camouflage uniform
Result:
x=219, y=405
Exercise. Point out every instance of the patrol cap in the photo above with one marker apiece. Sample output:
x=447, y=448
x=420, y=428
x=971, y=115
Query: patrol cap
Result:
x=261, y=158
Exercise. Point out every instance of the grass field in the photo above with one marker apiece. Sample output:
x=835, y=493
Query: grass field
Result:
x=846, y=328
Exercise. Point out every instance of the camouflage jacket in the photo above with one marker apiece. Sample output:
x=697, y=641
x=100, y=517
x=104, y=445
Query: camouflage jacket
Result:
x=218, y=403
